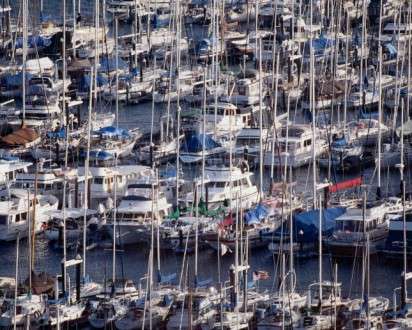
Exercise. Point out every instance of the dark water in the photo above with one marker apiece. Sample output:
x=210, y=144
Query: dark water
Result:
x=132, y=262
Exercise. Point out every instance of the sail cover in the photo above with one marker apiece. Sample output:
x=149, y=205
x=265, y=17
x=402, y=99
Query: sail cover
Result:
x=307, y=223
x=194, y=143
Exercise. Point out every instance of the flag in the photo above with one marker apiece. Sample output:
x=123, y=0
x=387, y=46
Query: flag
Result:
x=260, y=275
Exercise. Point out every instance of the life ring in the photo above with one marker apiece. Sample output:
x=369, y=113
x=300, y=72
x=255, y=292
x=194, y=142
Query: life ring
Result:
x=244, y=166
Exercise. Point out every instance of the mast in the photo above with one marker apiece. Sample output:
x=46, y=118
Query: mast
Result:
x=178, y=25
x=116, y=28
x=86, y=173
x=25, y=14
x=16, y=281
x=115, y=159
x=96, y=47
x=74, y=28
x=404, y=229
x=312, y=105
x=378, y=189
x=320, y=253
x=260, y=122
x=66, y=142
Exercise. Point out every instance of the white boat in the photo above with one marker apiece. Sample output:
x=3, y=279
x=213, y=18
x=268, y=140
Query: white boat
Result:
x=74, y=223
x=247, y=89
x=11, y=168
x=234, y=320
x=139, y=316
x=225, y=118
x=64, y=314
x=15, y=205
x=143, y=204
x=129, y=91
x=111, y=142
x=166, y=89
x=294, y=147
x=106, y=313
x=103, y=184
x=226, y=185
x=365, y=131
x=49, y=181
x=195, y=146
x=28, y=307
x=349, y=236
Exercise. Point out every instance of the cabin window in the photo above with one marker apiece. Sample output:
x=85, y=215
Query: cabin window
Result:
x=220, y=184
x=17, y=218
x=307, y=143
x=23, y=216
x=98, y=180
x=3, y=220
x=11, y=176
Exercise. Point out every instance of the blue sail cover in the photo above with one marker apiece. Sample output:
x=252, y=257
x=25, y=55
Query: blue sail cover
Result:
x=111, y=131
x=109, y=64
x=306, y=224
x=256, y=215
x=194, y=143
x=85, y=81
x=321, y=44
x=34, y=41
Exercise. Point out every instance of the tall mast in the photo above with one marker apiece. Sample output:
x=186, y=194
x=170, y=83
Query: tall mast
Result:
x=86, y=172
x=378, y=189
x=312, y=105
x=16, y=280
x=116, y=43
x=405, y=255
x=97, y=36
x=320, y=252
x=66, y=148
x=178, y=25
x=260, y=122
x=115, y=176
x=25, y=14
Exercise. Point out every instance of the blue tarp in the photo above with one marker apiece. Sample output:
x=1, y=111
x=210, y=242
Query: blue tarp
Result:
x=339, y=142
x=321, y=44
x=307, y=223
x=111, y=131
x=15, y=80
x=85, y=81
x=194, y=143
x=109, y=64
x=58, y=134
x=34, y=41
x=256, y=215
